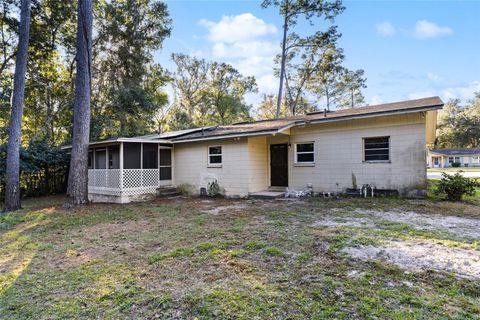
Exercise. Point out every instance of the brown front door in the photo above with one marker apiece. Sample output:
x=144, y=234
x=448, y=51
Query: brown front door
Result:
x=279, y=165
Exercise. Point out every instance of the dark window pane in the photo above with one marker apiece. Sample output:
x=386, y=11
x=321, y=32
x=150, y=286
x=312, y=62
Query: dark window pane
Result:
x=90, y=159
x=165, y=157
x=100, y=159
x=150, y=156
x=305, y=157
x=215, y=159
x=131, y=155
x=377, y=149
x=305, y=147
x=166, y=173
x=215, y=150
x=376, y=152
x=114, y=157
x=377, y=158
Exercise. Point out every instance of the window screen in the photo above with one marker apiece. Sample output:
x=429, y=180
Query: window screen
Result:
x=100, y=158
x=114, y=157
x=90, y=159
x=215, y=155
x=304, y=152
x=150, y=156
x=377, y=149
x=131, y=155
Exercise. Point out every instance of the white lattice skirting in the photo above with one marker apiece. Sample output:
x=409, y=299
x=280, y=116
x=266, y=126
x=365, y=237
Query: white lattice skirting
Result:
x=126, y=182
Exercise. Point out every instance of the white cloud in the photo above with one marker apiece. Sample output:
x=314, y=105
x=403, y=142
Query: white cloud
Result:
x=376, y=100
x=244, y=49
x=249, y=44
x=434, y=77
x=463, y=92
x=385, y=29
x=242, y=27
x=425, y=29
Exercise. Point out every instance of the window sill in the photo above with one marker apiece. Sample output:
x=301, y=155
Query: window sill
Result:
x=379, y=161
x=214, y=166
x=306, y=164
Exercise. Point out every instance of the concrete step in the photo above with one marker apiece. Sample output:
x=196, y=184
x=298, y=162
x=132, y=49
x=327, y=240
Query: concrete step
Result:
x=267, y=194
x=166, y=192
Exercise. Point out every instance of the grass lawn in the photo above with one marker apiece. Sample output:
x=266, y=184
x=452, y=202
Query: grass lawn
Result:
x=191, y=258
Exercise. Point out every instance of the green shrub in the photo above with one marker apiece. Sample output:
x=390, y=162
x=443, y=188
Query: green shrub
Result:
x=456, y=164
x=213, y=189
x=455, y=186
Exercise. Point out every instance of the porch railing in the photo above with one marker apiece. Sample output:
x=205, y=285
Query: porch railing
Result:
x=121, y=182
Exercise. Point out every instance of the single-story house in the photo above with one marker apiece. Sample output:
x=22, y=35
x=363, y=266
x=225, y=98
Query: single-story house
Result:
x=383, y=146
x=460, y=157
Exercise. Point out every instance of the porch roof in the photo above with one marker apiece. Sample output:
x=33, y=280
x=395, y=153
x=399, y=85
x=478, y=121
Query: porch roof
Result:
x=456, y=151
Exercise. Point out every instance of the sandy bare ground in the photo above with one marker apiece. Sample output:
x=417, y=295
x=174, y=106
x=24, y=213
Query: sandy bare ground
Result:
x=410, y=253
x=459, y=226
x=422, y=256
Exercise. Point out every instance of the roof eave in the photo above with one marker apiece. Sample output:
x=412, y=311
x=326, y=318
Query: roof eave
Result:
x=93, y=143
x=377, y=114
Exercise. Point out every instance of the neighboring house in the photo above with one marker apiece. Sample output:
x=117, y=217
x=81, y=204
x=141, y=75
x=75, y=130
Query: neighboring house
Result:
x=460, y=157
x=382, y=145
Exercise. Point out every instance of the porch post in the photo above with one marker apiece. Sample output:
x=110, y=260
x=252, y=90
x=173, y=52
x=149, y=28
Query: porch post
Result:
x=121, y=167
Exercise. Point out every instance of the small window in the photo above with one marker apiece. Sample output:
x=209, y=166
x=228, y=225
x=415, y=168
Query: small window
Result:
x=376, y=149
x=476, y=160
x=304, y=152
x=215, y=156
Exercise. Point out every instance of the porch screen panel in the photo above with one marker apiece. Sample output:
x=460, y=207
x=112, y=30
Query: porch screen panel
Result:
x=131, y=155
x=90, y=158
x=150, y=156
x=165, y=164
x=114, y=157
x=100, y=158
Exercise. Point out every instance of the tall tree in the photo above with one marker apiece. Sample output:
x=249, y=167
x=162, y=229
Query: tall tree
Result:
x=129, y=32
x=459, y=125
x=351, y=84
x=12, y=190
x=77, y=190
x=326, y=81
x=208, y=93
x=291, y=11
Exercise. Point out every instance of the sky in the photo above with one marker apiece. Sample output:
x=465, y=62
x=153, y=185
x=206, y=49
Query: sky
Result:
x=408, y=49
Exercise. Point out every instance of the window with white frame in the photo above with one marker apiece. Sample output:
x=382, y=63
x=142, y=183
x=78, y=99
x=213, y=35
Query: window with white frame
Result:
x=305, y=152
x=376, y=149
x=476, y=160
x=453, y=160
x=215, y=156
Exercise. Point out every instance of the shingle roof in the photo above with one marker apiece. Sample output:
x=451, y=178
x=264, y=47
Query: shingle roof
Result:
x=266, y=126
x=278, y=125
x=379, y=109
x=457, y=151
x=253, y=127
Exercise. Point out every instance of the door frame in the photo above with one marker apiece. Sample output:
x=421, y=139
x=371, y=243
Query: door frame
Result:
x=270, y=163
x=163, y=183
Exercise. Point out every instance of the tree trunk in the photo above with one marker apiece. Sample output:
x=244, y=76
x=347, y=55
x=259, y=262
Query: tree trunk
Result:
x=12, y=190
x=282, y=66
x=77, y=189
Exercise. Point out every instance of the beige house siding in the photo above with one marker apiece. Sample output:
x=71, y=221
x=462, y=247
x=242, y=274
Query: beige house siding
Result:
x=338, y=158
x=191, y=166
x=258, y=159
x=339, y=154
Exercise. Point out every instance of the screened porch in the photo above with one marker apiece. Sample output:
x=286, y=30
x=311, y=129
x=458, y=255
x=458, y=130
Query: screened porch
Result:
x=129, y=168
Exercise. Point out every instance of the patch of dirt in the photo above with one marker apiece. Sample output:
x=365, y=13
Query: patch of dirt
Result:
x=422, y=256
x=216, y=210
x=462, y=227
